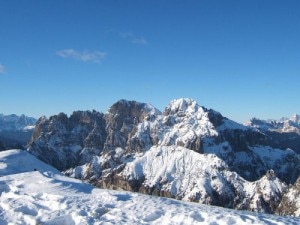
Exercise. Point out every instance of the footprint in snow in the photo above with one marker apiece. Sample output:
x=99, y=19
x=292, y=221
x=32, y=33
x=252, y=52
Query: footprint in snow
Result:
x=152, y=216
x=123, y=197
x=196, y=216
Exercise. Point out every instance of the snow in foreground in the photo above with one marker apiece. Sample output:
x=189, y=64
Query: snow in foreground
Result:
x=47, y=197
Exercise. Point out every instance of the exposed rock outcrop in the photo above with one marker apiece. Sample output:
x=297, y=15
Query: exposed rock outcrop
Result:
x=66, y=142
x=290, y=203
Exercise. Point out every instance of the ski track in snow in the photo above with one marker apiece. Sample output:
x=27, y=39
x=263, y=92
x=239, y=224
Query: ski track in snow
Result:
x=46, y=197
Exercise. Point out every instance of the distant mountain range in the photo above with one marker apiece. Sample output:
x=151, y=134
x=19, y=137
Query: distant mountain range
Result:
x=283, y=125
x=284, y=133
x=15, y=131
x=186, y=152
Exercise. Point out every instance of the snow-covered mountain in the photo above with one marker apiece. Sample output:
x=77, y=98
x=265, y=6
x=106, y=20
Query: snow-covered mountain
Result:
x=14, y=122
x=291, y=124
x=186, y=152
x=284, y=133
x=15, y=131
x=33, y=192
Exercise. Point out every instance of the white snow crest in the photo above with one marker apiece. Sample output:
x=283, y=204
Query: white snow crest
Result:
x=184, y=120
x=182, y=105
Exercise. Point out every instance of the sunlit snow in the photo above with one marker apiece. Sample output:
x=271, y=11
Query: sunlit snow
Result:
x=35, y=193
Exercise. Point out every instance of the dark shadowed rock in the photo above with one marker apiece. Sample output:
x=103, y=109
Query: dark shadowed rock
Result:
x=60, y=139
x=121, y=125
x=290, y=201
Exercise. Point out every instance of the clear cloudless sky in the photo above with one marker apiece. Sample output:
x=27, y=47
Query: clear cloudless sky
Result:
x=241, y=58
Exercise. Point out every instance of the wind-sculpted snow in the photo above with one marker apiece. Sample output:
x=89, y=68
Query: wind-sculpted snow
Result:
x=186, y=152
x=47, y=197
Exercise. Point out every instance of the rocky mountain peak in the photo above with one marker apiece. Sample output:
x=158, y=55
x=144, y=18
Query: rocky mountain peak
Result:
x=132, y=110
x=189, y=108
x=267, y=194
x=181, y=107
x=270, y=175
x=60, y=139
x=122, y=122
x=295, y=118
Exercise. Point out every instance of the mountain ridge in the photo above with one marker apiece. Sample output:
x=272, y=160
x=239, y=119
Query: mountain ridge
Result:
x=284, y=133
x=119, y=149
x=15, y=131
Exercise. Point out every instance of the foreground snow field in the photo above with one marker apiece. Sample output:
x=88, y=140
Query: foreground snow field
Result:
x=35, y=193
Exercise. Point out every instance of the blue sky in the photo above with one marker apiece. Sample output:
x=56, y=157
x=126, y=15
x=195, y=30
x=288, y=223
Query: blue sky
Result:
x=241, y=58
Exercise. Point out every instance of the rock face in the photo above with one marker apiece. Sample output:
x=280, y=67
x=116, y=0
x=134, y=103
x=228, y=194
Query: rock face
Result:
x=290, y=204
x=66, y=142
x=122, y=120
x=15, y=131
x=186, y=152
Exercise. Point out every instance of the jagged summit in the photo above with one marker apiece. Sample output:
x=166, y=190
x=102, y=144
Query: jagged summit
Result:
x=187, y=152
x=132, y=107
x=182, y=105
x=59, y=140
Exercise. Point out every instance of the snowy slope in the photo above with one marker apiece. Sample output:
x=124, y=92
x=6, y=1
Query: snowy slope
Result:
x=48, y=197
x=18, y=161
